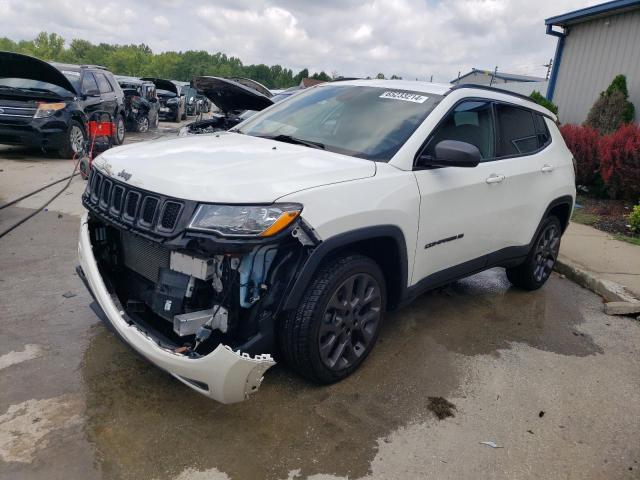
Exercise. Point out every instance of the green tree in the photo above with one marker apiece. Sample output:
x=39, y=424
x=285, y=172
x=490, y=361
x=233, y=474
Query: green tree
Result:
x=540, y=99
x=612, y=109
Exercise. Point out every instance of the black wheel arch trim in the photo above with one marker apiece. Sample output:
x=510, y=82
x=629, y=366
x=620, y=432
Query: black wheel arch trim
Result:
x=340, y=242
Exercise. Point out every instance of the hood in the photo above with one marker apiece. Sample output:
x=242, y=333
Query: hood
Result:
x=16, y=65
x=229, y=167
x=163, y=84
x=229, y=95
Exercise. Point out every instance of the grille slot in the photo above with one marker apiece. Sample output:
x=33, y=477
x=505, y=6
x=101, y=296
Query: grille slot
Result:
x=143, y=257
x=95, y=191
x=148, y=211
x=170, y=214
x=105, y=194
x=116, y=199
x=131, y=205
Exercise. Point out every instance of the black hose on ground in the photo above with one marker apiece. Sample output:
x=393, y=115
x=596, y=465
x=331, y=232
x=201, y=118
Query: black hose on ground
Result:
x=35, y=212
x=13, y=202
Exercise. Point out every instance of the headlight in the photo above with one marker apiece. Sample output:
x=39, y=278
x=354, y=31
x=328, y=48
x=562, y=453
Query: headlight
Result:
x=173, y=100
x=243, y=220
x=48, y=109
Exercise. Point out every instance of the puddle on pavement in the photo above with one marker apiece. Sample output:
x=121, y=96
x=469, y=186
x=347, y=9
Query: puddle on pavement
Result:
x=145, y=424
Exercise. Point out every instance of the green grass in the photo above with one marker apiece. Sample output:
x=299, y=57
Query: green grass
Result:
x=585, y=218
x=628, y=239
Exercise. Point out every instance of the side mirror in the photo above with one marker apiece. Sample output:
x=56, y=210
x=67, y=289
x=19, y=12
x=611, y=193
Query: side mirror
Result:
x=94, y=92
x=452, y=153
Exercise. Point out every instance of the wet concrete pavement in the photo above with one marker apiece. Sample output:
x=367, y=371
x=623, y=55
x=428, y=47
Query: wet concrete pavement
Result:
x=76, y=403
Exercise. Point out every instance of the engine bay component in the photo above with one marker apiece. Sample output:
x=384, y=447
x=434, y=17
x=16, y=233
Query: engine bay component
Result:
x=200, y=268
x=189, y=323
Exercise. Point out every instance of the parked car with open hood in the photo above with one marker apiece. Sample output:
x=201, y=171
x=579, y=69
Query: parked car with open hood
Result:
x=192, y=102
x=141, y=103
x=47, y=105
x=298, y=229
x=171, y=99
x=232, y=97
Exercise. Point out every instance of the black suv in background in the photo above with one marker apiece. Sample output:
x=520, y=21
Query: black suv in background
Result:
x=141, y=103
x=171, y=98
x=47, y=105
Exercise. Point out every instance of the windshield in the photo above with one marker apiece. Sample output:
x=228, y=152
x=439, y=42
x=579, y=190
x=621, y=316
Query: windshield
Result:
x=35, y=86
x=365, y=122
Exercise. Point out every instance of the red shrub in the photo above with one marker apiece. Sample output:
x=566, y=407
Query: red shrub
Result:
x=620, y=162
x=583, y=143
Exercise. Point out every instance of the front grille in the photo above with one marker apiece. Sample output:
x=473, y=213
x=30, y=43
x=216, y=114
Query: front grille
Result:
x=135, y=207
x=23, y=112
x=142, y=256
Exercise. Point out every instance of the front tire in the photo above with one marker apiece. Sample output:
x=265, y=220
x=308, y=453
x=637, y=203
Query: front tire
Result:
x=537, y=268
x=142, y=124
x=338, y=320
x=74, y=144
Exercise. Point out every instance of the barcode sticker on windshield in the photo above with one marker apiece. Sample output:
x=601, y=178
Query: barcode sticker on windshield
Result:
x=406, y=96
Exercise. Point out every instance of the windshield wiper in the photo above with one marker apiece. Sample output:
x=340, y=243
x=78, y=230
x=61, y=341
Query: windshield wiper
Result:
x=296, y=141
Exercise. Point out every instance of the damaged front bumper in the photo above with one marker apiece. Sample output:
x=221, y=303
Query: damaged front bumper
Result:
x=224, y=375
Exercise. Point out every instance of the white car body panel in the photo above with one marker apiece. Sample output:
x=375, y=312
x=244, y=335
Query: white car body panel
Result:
x=231, y=376
x=388, y=198
x=229, y=167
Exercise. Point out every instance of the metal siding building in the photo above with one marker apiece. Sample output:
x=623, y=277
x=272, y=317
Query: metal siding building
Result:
x=595, y=44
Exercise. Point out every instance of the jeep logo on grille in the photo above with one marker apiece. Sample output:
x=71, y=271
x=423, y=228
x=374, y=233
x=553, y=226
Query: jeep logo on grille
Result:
x=124, y=174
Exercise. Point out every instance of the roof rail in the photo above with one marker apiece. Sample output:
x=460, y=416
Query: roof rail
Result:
x=491, y=89
x=94, y=66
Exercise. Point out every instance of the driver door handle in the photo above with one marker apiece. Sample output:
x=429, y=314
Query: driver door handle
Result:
x=495, y=178
x=546, y=168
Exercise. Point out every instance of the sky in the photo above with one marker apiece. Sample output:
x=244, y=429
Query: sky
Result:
x=410, y=38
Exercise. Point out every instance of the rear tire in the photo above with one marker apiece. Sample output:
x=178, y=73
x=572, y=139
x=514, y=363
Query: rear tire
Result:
x=119, y=134
x=537, y=268
x=338, y=320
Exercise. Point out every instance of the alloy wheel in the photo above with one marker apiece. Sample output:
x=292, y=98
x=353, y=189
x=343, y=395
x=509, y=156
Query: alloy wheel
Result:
x=120, y=130
x=76, y=139
x=350, y=321
x=143, y=124
x=546, y=253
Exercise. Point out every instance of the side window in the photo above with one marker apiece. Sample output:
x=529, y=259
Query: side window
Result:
x=89, y=83
x=544, y=137
x=103, y=83
x=472, y=122
x=518, y=135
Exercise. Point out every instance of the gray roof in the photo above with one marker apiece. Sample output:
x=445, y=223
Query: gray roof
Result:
x=501, y=75
x=584, y=14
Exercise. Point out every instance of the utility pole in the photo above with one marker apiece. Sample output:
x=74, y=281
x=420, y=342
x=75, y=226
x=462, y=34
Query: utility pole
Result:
x=548, y=65
x=431, y=80
x=495, y=72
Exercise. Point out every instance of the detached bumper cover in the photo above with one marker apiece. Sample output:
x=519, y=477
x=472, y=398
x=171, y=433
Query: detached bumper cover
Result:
x=223, y=375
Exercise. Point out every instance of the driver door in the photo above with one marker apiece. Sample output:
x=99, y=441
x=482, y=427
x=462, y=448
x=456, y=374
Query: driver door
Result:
x=458, y=204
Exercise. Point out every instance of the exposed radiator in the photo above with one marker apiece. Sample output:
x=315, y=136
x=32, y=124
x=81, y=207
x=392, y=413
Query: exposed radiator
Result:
x=143, y=257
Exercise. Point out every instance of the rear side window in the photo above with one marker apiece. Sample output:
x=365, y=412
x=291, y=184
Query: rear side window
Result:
x=518, y=134
x=469, y=122
x=103, y=83
x=544, y=137
x=89, y=83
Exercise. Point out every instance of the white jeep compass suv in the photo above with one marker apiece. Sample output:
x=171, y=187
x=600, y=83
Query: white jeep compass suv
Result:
x=294, y=232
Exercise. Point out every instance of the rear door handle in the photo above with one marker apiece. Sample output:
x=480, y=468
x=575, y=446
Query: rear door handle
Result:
x=495, y=178
x=546, y=168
